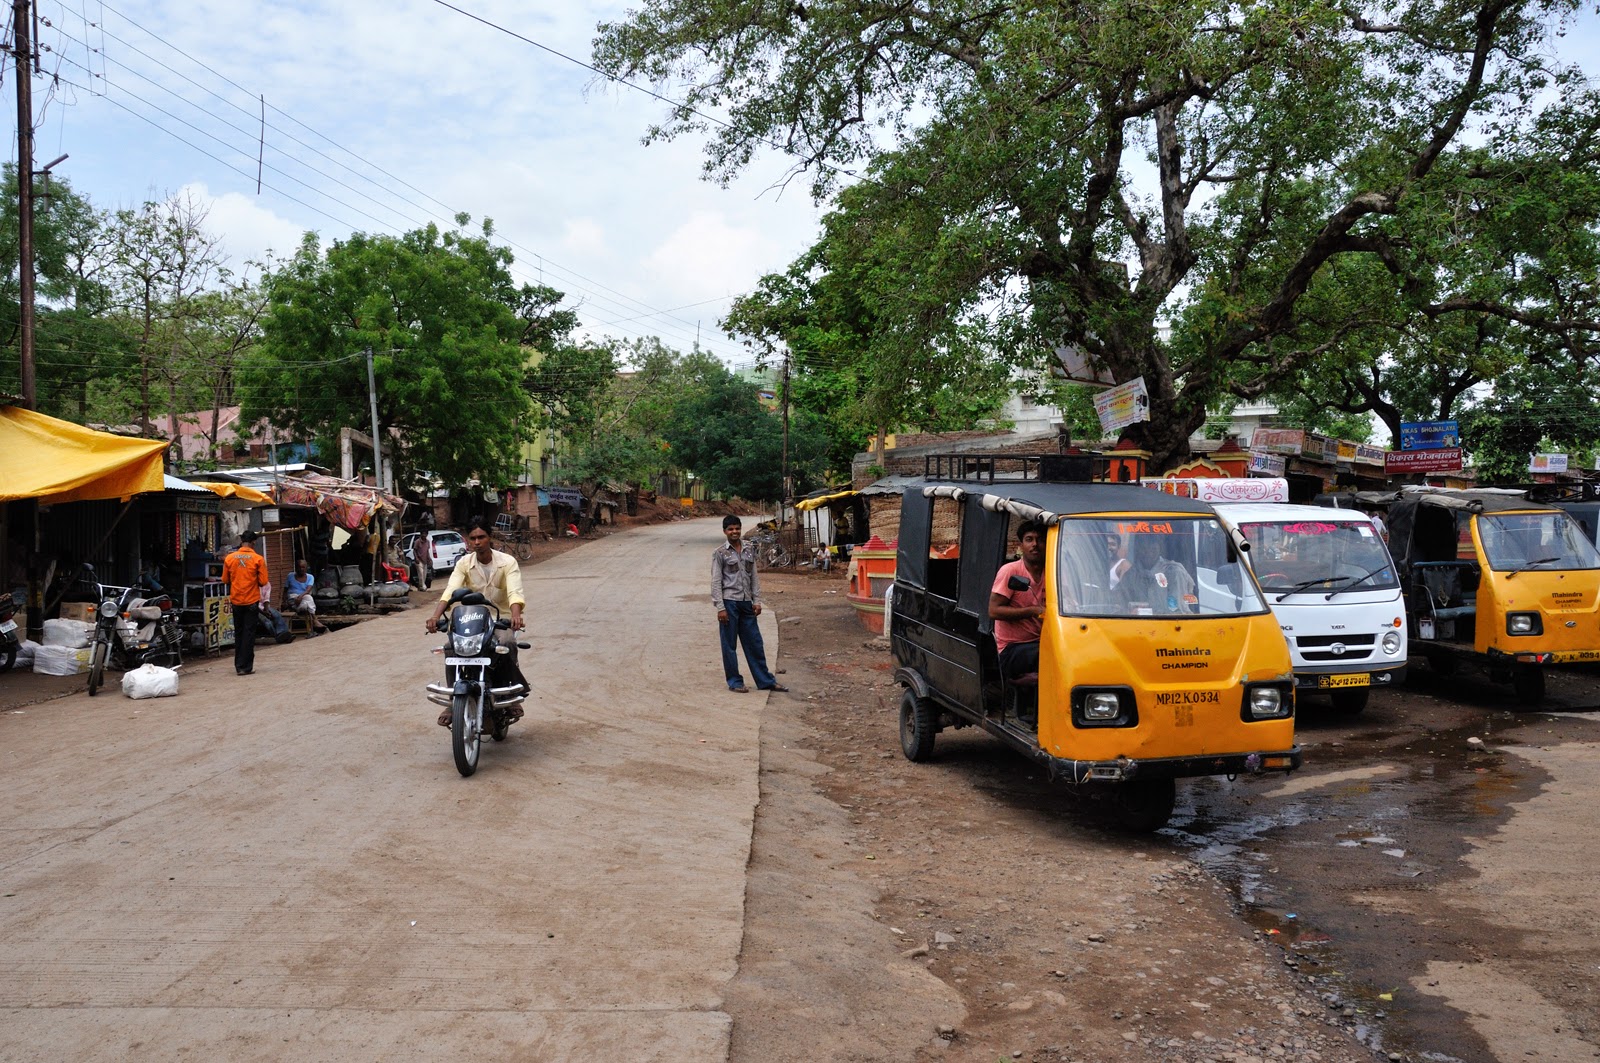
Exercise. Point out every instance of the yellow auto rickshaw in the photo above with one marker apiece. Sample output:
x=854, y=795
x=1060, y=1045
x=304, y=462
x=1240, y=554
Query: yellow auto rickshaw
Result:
x=1157, y=659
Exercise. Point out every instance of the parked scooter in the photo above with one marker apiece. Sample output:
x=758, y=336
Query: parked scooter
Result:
x=132, y=630
x=474, y=664
x=9, y=641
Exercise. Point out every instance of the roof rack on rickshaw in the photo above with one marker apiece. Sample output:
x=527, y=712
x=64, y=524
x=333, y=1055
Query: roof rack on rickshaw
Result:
x=1079, y=467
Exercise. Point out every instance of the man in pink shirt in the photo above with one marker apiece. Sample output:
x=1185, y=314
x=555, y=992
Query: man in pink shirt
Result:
x=1016, y=612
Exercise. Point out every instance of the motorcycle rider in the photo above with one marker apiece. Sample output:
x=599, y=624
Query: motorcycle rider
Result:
x=496, y=576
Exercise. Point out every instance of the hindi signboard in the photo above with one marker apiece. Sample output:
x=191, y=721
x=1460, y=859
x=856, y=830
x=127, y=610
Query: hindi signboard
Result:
x=1123, y=405
x=1430, y=435
x=1548, y=463
x=1402, y=461
x=1268, y=464
x=1278, y=440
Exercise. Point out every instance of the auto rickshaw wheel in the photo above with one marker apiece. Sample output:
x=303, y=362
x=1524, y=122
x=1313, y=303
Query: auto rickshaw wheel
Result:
x=1144, y=805
x=1350, y=702
x=918, y=725
x=1529, y=685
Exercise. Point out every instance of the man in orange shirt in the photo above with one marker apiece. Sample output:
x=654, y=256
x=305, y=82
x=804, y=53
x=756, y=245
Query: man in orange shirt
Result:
x=245, y=572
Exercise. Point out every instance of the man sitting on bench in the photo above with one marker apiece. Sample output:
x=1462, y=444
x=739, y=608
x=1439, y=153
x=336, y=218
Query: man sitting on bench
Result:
x=1016, y=609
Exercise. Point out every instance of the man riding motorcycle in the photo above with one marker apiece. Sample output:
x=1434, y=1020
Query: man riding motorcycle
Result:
x=498, y=578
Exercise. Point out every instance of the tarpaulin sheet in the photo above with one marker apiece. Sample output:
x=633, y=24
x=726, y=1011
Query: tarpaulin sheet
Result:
x=240, y=491
x=346, y=505
x=818, y=501
x=58, y=461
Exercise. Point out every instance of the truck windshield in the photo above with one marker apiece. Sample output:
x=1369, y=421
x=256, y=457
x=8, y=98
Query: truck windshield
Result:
x=1548, y=541
x=1304, y=556
x=1151, y=566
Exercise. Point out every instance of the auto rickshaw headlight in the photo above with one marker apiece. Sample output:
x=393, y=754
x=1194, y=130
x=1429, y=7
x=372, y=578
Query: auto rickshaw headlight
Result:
x=1524, y=624
x=1391, y=642
x=1104, y=707
x=1267, y=703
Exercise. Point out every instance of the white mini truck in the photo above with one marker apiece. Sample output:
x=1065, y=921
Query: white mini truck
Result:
x=1330, y=581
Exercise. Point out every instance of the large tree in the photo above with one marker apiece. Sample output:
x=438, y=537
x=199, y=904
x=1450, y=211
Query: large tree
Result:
x=722, y=434
x=450, y=332
x=1163, y=185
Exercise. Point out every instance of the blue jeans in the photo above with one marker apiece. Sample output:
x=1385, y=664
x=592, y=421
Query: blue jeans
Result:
x=740, y=627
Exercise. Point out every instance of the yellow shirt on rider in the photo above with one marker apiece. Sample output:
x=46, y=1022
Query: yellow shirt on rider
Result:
x=499, y=581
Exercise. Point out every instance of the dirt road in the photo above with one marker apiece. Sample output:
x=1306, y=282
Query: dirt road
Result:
x=287, y=866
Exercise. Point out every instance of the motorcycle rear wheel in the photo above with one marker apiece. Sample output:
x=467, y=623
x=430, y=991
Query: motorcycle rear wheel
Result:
x=464, y=736
x=97, y=666
x=8, y=656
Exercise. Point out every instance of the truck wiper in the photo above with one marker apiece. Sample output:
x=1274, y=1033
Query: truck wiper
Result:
x=1356, y=582
x=1305, y=585
x=1530, y=564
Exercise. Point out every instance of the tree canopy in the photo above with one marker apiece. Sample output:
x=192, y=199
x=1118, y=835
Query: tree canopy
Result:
x=722, y=433
x=1213, y=197
x=450, y=334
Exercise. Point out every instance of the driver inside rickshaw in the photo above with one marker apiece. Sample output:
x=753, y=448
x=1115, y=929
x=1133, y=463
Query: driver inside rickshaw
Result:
x=1153, y=583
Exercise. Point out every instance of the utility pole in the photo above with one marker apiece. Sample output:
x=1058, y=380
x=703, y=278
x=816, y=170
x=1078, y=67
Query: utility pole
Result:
x=21, y=20
x=788, y=495
x=377, y=447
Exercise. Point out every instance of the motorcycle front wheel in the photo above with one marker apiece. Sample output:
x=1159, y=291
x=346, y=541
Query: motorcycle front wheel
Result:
x=464, y=736
x=97, y=666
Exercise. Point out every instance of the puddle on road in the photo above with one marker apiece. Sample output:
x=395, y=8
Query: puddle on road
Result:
x=1442, y=784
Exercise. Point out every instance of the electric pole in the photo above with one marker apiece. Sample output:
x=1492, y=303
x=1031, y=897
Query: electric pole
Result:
x=377, y=447
x=788, y=495
x=21, y=19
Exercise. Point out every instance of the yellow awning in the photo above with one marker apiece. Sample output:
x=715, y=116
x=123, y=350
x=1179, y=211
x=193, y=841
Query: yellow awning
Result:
x=822, y=500
x=239, y=491
x=58, y=461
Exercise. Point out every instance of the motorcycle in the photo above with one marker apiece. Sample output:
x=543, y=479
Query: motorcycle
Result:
x=476, y=705
x=9, y=640
x=131, y=630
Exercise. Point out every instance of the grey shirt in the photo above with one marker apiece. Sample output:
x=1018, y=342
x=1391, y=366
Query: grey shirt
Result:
x=733, y=575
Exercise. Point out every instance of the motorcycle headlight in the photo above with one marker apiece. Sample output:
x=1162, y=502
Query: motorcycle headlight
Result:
x=1523, y=624
x=108, y=609
x=468, y=645
x=1391, y=642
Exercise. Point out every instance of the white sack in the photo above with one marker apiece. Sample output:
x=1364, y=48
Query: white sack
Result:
x=74, y=634
x=25, y=651
x=150, y=681
x=61, y=660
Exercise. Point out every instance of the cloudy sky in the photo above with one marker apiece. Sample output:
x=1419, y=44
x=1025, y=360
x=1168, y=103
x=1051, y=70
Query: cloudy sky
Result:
x=384, y=114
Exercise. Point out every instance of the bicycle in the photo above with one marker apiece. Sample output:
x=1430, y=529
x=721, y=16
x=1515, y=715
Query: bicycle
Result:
x=770, y=551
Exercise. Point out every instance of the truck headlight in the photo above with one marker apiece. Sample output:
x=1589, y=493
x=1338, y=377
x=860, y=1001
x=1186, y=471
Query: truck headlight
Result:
x=1524, y=624
x=1391, y=642
x=1267, y=703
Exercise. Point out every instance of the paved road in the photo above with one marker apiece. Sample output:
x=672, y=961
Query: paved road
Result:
x=288, y=866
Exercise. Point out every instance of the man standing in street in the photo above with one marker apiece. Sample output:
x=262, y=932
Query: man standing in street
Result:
x=737, y=598
x=245, y=573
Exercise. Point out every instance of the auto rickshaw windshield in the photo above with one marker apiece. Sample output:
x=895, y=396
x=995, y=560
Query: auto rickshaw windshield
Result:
x=1322, y=554
x=1142, y=566
x=1546, y=541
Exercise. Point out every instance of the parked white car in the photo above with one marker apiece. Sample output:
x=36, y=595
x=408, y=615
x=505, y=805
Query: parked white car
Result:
x=437, y=550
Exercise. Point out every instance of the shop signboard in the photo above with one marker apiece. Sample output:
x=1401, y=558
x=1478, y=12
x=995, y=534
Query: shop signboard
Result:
x=1123, y=405
x=1367, y=454
x=1548, y=463
x=1278, y=440
x=1430, y=435
x=1268, y=464
x=1404, y=461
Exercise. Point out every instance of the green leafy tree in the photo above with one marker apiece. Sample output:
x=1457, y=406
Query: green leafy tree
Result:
x=449, y=330
x=1164, y=185
x=869, y=354
x=726, y=437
